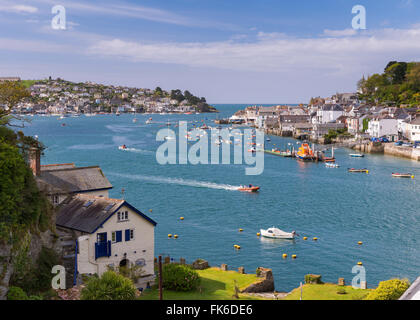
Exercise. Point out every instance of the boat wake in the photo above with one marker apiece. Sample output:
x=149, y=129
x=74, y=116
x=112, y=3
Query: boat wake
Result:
x=178, y=181
x=138, y=151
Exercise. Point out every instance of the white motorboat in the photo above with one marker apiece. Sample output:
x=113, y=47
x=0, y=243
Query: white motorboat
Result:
x=331, y=165
x=356, y=155
x=276, y=233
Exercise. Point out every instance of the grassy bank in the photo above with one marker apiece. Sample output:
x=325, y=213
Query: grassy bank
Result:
x=327, y=291
x=215, y=285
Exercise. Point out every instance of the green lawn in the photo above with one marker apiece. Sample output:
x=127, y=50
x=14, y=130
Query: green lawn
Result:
x=327, y=291
x=28, y=83
x=215, y=285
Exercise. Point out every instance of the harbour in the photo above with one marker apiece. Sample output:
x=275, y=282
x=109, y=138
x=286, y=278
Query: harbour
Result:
x=336, y=207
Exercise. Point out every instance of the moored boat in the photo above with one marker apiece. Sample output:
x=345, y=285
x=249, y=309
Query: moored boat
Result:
x=276, y=233
x=356, y=155
x=358, y=170
x=331, y=165
x=305, y=153
x=402, y=175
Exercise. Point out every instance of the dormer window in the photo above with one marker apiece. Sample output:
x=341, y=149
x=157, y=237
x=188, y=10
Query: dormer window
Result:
x=122, y=216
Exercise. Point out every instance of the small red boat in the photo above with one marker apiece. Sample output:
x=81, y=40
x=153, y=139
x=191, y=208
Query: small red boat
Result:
x=251, y=188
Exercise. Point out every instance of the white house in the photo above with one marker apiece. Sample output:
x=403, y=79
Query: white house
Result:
x=110, y=233
x=329, y=113
x=413, y=130
x=383, y=126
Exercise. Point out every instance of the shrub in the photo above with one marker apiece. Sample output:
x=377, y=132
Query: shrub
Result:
x=110, y=286
x=179, y=277
x=16, y=293
x=313, y=279
x=389, y=290
x=341, y=291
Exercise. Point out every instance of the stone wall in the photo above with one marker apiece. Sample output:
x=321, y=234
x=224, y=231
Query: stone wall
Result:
x=266, y=284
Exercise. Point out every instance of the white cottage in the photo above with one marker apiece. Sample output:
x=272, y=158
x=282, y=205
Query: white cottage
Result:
x=109, y=232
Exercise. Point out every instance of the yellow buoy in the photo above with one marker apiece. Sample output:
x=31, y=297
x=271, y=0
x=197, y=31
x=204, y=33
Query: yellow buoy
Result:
x=315, y=238
x=182, y=218
x=284, y=255
x=150, y=210
x=175, y=236
x=294, y=256
x=237, y=246
x=360, y=243
x=305, y=238
x=412, y=177
x=169, y=235
x=360, y=263
x=240, y=230
x=258, y=234
x=367, y=171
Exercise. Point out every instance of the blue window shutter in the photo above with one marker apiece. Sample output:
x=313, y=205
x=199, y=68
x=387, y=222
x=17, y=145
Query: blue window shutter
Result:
x=119, y=236
x=127, y=235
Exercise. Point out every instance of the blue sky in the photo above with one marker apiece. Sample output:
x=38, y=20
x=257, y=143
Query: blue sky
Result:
x=230, y=51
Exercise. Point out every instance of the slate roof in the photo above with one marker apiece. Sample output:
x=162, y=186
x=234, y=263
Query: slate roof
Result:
x=72, y=180
x=413, y=292
x=87, y=213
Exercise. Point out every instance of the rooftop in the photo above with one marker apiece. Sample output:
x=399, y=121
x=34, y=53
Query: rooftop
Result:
x=87, y=213
x=66, y=178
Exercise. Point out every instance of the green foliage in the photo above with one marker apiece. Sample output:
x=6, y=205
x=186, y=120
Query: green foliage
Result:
x=134, y=272
x=36, y=278
x=313, y=279
x=110, y=286
x=389, y=290
x=16, y=293
x=179, y=277
x=399, y=84
x=11, y=93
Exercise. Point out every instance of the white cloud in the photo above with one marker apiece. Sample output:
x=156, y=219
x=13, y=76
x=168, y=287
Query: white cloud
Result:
x=17, y=8
x=323, y=55
x=340, y=33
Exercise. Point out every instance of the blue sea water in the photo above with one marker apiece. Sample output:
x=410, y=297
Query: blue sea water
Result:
x=331, y=204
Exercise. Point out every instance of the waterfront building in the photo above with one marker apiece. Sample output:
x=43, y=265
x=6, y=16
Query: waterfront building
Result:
x=383, y=126
x=110, y=233
x=413, y=130
x=58, y=181
x=329, y=113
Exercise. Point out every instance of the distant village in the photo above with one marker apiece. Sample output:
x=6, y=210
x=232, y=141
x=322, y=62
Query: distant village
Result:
x=340, y=118
x=60, y=97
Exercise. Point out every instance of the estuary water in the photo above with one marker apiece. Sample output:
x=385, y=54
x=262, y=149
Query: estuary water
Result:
x=337, y=207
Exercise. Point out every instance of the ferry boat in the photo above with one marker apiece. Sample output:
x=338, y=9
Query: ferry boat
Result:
x=358, y=170
x=403, y=175
x=250, y=188
x=275, y=233
x=305, y=153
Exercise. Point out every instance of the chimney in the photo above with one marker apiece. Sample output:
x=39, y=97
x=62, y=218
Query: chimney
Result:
x=35, y=161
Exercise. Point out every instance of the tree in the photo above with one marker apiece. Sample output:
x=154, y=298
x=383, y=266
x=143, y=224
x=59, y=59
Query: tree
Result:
x=396, y=72
x=110, y=286
x=11, y=93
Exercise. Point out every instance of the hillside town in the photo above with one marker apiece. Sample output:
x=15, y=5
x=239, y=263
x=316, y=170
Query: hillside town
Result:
x=342, y=117
x=61, y=97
